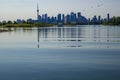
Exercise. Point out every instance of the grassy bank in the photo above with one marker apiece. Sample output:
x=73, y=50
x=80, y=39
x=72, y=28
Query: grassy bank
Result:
x=27, y=25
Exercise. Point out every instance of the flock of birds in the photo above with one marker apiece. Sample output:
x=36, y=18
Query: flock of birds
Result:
x=99, y=6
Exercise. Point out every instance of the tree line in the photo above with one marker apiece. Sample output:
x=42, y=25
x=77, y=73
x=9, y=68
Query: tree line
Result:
x=113, y=21
x=23, y=24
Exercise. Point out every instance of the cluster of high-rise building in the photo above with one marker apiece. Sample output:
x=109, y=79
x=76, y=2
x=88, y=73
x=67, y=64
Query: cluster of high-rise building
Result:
x=98, y=20
x=61, y=18
x=72, y=18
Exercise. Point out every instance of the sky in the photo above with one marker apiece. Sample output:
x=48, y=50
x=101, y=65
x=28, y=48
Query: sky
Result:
x=24, y=9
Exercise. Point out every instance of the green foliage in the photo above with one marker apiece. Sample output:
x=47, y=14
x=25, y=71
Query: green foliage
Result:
x=9, y=22
x=24, y=22
x=37, y=24
x=113, y=21
x=41, y=24
x=18, y=25
x=4, y=23
x=15, y=22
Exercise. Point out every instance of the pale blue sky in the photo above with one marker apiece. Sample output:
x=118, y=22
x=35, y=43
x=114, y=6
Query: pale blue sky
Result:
x=24, y=9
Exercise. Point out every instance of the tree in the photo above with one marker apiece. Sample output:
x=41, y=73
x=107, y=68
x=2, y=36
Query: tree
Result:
x=15, y=22
x=9, y=22
x=118, y=20
x=23, y=21
x=4, y=22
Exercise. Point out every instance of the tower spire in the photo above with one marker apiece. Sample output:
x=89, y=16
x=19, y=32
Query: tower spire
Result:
x=37, y=11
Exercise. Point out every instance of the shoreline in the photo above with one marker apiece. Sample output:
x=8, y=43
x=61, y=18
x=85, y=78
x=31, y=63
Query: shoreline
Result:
x=4, y=30
x=46, y=25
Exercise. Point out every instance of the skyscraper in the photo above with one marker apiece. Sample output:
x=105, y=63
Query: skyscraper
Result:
x=63, y=18
x=59, y=18
x=108, y=17
x=79, y=14
x=99, y=19
x=79, y=17
x=73, y=17
x=46, y=18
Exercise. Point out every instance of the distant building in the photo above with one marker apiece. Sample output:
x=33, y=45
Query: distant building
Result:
x=81, y=19
x=68, y=18
x=19, y=21
x=46, y=18
x=99, y=19
x=63, y=18
x=30, y=20
x=39, y=18
x=94, y=19
x=79, y=14
x=108, y=17
x=71, y=18
x=59, y=18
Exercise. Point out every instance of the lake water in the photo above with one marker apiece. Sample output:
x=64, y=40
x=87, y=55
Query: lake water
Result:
x=64, y=53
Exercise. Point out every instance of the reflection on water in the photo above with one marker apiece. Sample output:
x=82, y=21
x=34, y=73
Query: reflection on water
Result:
x=98, y=37
x=68, y=53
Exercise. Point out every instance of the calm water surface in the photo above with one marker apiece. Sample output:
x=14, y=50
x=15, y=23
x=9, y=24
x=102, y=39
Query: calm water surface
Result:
x=68, y=53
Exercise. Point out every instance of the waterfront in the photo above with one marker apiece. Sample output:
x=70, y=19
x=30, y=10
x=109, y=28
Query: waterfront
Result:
x=68, y=53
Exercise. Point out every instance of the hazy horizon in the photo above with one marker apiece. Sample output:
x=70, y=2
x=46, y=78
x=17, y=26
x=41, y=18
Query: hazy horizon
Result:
x=24, y=9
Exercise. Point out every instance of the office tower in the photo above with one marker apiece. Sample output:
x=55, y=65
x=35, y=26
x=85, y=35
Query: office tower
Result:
x=59, y=18
x=73, y=17
x=46, y=18
x=79, y=17
x=99, y=19
x=63, y=18
x=52, y=19
x=55, y=20
x=68, y=18
x=39, y=18
x=79, y=14
x=43, y=18
x=108, y=17
x=94, y=19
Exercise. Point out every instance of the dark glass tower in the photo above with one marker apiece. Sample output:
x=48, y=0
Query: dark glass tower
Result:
x=108, y=17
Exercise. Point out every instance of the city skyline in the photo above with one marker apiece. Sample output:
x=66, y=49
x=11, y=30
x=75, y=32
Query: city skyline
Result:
x=18, y=9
